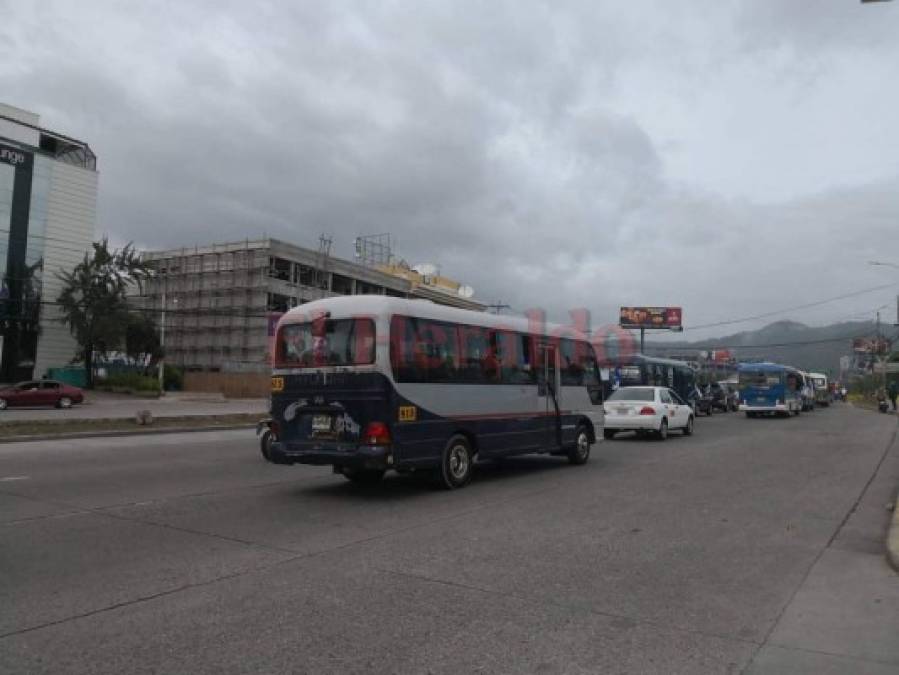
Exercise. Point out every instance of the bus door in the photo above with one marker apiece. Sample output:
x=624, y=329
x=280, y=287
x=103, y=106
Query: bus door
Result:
x=549, y=394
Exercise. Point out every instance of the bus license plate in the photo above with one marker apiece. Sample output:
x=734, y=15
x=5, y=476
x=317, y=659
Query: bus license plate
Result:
x=321, y=423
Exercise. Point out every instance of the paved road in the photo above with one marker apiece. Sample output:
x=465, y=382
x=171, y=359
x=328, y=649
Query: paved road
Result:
x=756, y=545
x=109, y=406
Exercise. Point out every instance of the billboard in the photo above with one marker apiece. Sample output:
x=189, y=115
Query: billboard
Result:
x=666, y=318
x=871, y=345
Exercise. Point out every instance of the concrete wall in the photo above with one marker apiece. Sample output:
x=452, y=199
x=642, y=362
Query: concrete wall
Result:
x=232, y=385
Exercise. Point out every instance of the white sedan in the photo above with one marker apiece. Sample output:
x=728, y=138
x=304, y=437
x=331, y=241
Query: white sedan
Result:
x=642, y=409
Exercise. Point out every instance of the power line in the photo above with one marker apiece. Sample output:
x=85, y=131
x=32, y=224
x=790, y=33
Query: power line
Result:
x=817, y=303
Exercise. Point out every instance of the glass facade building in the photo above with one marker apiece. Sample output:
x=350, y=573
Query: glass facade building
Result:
x=47, y=218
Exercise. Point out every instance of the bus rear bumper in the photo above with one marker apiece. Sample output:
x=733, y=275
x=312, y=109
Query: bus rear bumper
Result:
x=764, y=408
x=351, y=456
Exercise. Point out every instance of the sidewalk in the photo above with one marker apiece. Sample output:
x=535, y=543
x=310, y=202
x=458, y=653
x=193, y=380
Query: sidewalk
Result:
x=845, y=616
x=100, y=405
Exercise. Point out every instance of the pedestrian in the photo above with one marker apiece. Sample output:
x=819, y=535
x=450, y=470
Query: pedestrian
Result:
x=893, y=392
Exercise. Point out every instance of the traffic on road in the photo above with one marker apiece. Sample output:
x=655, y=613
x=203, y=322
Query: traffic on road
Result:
x=370, y=384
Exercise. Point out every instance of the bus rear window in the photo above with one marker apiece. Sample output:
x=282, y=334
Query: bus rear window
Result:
x=326, y=342
x=758, y=378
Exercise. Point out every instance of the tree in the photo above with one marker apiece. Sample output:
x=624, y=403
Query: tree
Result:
x=94, y=302
x=142, y=338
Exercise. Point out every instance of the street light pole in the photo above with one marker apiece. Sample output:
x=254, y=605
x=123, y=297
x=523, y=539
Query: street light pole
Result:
x=162, y=346
x=880, y=263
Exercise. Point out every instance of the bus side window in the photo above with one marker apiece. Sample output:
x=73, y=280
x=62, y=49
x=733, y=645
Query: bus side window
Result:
x=514, y=354
x=587, y=360
x=572, y=367
x=476, y=355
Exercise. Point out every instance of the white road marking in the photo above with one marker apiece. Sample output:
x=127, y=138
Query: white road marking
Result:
x=9, y=478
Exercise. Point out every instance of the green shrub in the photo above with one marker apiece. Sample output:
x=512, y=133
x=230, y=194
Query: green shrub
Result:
x=173, y=378
x=130, y=382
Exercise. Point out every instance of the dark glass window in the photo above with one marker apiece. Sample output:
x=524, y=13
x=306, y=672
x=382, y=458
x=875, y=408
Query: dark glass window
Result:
x=480, y=363
x=515, y=358
x=423, y=351
x=341, y=284
x=633, y=394
x=278, y=303
x=305, y=276
x=326, y=342
x=278, y=268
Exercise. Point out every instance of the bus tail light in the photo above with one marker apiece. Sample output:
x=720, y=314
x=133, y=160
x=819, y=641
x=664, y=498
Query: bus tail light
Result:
x=648, y=410
x=376, y=433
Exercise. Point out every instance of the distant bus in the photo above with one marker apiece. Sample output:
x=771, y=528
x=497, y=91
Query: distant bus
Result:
x=640, y=370
x=769, y=388
x=371, y=383
x=823, y=395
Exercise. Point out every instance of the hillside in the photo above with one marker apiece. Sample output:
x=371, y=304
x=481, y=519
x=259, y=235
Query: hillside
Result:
x=812, y=348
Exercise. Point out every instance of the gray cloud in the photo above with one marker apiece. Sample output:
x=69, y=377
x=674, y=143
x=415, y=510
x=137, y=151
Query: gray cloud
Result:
x=728, y=157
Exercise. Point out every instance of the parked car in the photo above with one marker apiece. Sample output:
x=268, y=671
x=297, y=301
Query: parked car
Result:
x=647, y=409
x=40, y=392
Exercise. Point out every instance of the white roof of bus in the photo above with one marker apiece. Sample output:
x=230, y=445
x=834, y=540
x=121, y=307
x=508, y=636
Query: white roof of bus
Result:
x=348, y=306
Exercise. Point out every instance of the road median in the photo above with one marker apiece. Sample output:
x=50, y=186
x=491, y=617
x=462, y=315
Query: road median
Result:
x=35, y=430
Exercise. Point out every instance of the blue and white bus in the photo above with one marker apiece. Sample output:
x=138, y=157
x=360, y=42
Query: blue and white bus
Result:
x=769, y=388
x=641, y=370
x=371, y=383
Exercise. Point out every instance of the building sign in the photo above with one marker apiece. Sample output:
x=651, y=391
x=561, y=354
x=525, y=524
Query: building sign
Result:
x=871, y=345
x=14, y=156
x=665, y=318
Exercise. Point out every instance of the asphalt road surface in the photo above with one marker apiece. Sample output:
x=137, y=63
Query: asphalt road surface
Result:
x=743, y=548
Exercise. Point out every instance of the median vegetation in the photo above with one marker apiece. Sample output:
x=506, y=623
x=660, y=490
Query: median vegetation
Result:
x=69, y=427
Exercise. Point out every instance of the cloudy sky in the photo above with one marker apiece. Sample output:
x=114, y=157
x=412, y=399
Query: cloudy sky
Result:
x=734, y=157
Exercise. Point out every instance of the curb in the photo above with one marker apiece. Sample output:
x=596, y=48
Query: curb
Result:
x=893, y=537
x=111, y=434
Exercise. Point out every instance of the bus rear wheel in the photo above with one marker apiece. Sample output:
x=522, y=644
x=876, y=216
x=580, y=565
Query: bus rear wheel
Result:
x=580, y=451
x=456, y=463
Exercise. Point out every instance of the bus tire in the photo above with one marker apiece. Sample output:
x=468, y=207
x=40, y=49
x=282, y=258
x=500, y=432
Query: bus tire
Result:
x=364, y=476
x=662, y=433
x=579, y=453
x=265, y=444
x=456, y=463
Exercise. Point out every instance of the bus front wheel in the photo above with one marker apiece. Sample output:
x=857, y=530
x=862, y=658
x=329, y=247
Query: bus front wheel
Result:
x=456, y=464
x=580, y=451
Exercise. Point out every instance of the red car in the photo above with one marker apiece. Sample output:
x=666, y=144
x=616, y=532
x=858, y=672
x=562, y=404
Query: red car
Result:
x=40, y=392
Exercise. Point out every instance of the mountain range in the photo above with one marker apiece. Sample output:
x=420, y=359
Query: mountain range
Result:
x=810, y=348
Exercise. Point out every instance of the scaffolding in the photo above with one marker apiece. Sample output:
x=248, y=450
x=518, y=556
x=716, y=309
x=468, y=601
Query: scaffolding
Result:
x=221, y=300
x=374, y=250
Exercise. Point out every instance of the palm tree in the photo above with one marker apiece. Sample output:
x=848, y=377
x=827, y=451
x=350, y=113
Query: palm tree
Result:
x=93, y=301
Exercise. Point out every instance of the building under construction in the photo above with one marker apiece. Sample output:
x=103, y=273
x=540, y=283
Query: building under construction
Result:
x=218, y=304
